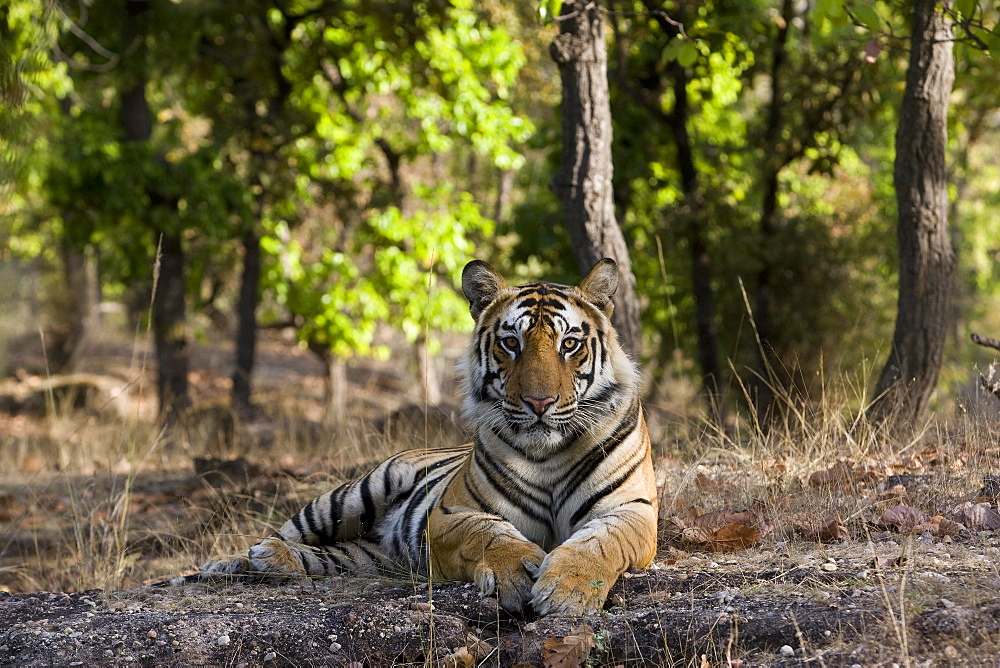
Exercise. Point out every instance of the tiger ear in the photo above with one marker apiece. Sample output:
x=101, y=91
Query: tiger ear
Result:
x=600, y=284
x=481, y=284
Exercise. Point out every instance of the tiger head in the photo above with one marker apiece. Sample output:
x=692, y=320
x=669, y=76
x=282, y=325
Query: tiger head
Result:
x=544, y=366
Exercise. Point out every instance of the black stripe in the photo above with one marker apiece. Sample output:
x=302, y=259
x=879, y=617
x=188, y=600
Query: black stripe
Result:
x=336, y=513
x=508, y=487
x=413, y=526
x=478, y=499
x=368, y=516
x=371, y=555
x=586, y=465
x=310, y=517
x=297, y=521
x=337, y=562
x=586, y=506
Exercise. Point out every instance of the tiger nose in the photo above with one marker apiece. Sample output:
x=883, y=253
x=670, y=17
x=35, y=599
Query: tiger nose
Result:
x=538, y=406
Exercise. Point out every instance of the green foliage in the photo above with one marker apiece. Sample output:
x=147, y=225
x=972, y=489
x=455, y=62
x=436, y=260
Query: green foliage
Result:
x=398, y=270
x=29, y=82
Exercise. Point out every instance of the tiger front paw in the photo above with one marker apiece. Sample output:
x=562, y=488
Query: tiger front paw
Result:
x=273, y=558
x=509, y=572
x=567, y=586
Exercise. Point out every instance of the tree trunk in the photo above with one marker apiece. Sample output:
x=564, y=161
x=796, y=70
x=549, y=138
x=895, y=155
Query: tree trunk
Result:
x=926, y=257
x=774, y=160
x=169, y=330
x=246, y=328
x=336, y=388
x=81, y=282
x=430, y=382
x=505, y=190
x=701, y=266
x=583, y=183
x=168, y=298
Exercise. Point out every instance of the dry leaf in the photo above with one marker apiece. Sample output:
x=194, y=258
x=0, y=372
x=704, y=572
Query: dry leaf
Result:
x=838, y=475
x=978, y=516
x=825, y=532
x=478, y=648
x=696, y=536
x=734, y=537
x=904, y=518
x=706, y=484
x=721, y=518
x=571, y=651
x=671, y=529
x=460, y=658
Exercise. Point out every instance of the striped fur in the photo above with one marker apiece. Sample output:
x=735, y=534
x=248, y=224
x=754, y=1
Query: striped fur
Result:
x=553, y=500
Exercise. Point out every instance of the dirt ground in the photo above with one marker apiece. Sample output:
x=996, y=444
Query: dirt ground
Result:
x=802, y=548
x=794, y=612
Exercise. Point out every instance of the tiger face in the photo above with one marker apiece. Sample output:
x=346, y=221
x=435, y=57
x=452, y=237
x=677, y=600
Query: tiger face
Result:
x=544, y=365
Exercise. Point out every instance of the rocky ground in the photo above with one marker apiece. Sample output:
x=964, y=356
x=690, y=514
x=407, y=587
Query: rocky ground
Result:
x=883, y=605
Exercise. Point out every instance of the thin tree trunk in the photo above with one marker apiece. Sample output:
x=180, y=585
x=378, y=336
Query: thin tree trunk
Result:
x=583, y=183
x=701, y=266
x=505, y=189
x=773, y=162
x=81, y=281
x=169, y=331
x=168, y=300
x=430, y=382
x=336, y=388
x=926, y=257
x=246, y=328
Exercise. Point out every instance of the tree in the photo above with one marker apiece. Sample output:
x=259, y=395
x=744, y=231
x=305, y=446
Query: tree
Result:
x=169, y=289
x=926, y=257
x=584, y=181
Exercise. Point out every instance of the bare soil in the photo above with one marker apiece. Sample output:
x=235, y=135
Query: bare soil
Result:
x=676, y=615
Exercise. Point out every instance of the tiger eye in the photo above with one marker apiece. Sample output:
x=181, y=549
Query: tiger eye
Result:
x=511, y=343
x=570, y=344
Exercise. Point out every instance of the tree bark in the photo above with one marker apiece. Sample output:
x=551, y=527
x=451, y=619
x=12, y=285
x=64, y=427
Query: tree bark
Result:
x=926, y=257
x=246, y=328
x=583, y=183
x=701, y=265
x=774, y=160
x=168, y=299
x=169, y=331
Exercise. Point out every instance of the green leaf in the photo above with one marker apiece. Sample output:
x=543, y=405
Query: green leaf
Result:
x=868, y=17
x=687, y=53
x=965, y=7
x=993, y=41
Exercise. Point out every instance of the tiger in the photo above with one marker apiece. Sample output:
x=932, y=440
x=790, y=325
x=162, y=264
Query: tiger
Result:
x=553, y=500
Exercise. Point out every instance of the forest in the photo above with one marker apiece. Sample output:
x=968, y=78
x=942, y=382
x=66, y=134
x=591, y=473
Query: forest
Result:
x=232, y=234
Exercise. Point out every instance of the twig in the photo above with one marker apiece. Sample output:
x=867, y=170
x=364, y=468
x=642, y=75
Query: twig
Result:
x=985, y=341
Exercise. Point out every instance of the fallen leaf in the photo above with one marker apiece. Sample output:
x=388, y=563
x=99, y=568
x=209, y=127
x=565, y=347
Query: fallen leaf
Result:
x=904, y=518
x=696, y=535
x=571, y=651
x=838, y=475
x=824, y=532
x=734, y=537
x=721, y=518
x=978, y=516
x=460, y=658
x=706, y=484
x=670, y=529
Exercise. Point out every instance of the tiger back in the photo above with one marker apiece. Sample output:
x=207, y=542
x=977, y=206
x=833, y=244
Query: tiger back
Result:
x=554, y=499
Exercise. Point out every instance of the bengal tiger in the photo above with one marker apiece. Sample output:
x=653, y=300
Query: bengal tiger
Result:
x=551, y=503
